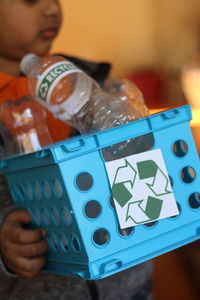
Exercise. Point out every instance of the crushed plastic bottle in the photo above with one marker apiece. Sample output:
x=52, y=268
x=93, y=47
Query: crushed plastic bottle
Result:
x=26, y=121
x=128, y=92
x=74, y=97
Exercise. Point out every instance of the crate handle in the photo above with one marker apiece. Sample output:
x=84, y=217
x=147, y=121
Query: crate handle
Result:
x=112, y=265
x=170, y=114
x=42, y=154
x=69, y=150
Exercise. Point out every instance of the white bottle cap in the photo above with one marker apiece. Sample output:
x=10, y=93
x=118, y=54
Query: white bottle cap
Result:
x=27, y=62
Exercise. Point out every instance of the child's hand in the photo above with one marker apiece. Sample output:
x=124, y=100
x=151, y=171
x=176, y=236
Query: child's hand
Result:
x=22, y=250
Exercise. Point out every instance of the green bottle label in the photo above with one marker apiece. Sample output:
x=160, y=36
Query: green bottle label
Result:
x=51, y=77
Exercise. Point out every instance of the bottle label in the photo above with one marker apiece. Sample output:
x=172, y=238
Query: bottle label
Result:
x=81, y=94
x=51, y=77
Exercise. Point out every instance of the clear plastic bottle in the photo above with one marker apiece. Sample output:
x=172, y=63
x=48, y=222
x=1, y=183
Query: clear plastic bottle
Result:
x=26, y=121
x=74, y=97
x=127, y=91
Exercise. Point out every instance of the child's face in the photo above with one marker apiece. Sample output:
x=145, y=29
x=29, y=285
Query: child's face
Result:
x=28, y=26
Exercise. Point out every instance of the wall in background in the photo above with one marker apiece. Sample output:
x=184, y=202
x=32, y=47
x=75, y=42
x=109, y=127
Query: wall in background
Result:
x=131, y=34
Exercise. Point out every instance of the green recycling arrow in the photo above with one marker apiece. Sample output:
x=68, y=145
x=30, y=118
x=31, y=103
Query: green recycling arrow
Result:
x=124, y=174
x=140, y=215
x=149, y=169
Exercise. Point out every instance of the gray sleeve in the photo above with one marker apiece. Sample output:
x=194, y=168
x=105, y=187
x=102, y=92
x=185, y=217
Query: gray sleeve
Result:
x=5, y=271
x=6, y=206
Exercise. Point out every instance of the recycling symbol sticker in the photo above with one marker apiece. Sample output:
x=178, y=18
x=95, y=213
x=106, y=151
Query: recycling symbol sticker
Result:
x=141, y=188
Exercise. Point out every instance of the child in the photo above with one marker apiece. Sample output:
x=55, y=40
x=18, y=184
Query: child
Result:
x=30, y=26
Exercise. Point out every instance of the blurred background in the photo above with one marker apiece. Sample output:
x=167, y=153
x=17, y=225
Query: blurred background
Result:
x=151, y=39
x=155, y=43
x=133, y=35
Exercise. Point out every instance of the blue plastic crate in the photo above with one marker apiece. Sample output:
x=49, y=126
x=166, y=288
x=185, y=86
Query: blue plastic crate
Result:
x=65, y=188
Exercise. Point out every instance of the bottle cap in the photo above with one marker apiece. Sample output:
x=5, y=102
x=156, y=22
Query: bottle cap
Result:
x=27, y=62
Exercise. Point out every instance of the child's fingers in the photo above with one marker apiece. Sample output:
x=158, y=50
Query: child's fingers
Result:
x=20, y=235
x=19, y=216
x=30, y=264
x=25, y=267
x=34, y=249
x=12, y=251
x=24, y=273
x=22, y=249
x=12, y=228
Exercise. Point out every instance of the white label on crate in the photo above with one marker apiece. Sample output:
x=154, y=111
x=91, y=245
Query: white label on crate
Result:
x=141, y=188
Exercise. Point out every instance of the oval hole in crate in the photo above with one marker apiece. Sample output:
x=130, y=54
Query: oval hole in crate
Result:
x=92, y=209
x=66, y=216
x=57, y=189
x=84, y=181
x=55, y=216
x=38, y=190
x=21, y=192
x=29, y=191
x=150, y=224
x=45, y=216
x=54, y=242
x=112, y=204
x=75, y=244
x=101, y=237
x=46, y=190
x=171, y=181
x=126, y=231
x=64, y=242
x=14, y=194
x=36, y=216
x=180, y=148
x=194, y=200
x=179, y=209
x=188, y=174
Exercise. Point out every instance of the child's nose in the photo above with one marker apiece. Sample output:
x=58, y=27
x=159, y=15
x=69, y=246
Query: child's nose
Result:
x=52, y=7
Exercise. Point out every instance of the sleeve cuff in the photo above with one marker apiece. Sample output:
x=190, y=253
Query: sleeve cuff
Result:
x=5, y=271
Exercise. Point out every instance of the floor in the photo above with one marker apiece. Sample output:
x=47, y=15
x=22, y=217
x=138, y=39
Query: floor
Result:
x=176, y=274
